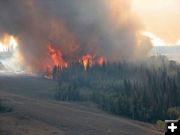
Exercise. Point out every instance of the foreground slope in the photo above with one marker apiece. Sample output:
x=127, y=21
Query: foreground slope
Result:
x=32, y=100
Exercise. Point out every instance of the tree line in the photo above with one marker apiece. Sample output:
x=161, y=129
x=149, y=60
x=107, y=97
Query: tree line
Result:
x=138, y=91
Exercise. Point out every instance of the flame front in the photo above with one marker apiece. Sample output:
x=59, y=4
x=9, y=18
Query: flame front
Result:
x=56, y=56
x=8, y=43
x=56, y=59
x=87, y=60
x=11, y=58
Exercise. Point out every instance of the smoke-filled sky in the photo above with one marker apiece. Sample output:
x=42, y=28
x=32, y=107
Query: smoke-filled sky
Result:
x=111, y=28
x=160, y=17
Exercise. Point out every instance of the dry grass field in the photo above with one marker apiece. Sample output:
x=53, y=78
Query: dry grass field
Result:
x=35, y=112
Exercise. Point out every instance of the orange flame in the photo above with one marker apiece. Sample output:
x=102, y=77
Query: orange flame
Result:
x=8, y=43
x=101, y=61
x=87, y=60
x=56, y=56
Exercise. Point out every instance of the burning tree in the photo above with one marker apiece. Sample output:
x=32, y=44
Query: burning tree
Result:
x=56, y=56
x=86, y=61
x=57, y=63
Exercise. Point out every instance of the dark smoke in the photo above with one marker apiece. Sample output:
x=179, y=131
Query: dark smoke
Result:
x=76, y=26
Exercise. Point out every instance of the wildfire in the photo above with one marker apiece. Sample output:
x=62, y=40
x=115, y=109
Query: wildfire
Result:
x=56, y=59
x=56, y=56
x=88, y=61
x=8, y=43
x=101, y=60
x=10, y=56
x=58, y=63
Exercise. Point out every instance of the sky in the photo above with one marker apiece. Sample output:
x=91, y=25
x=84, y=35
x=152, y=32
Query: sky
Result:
x=161, y=20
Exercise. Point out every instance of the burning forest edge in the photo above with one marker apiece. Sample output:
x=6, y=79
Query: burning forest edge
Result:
x=58, y=63
x=138, y=91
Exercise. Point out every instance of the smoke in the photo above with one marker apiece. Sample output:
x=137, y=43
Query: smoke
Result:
x=160, y=18
x=78, y=27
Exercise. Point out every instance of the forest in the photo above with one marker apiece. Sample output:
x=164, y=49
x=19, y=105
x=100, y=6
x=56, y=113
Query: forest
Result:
x=147, y=91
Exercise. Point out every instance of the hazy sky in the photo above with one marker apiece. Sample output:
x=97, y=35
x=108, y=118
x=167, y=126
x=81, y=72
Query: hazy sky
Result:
x=160, y=17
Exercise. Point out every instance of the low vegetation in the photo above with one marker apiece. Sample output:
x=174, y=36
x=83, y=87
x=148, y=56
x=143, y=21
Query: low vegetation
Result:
x=4, y=108
x=160, y=125
x=146, y=92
